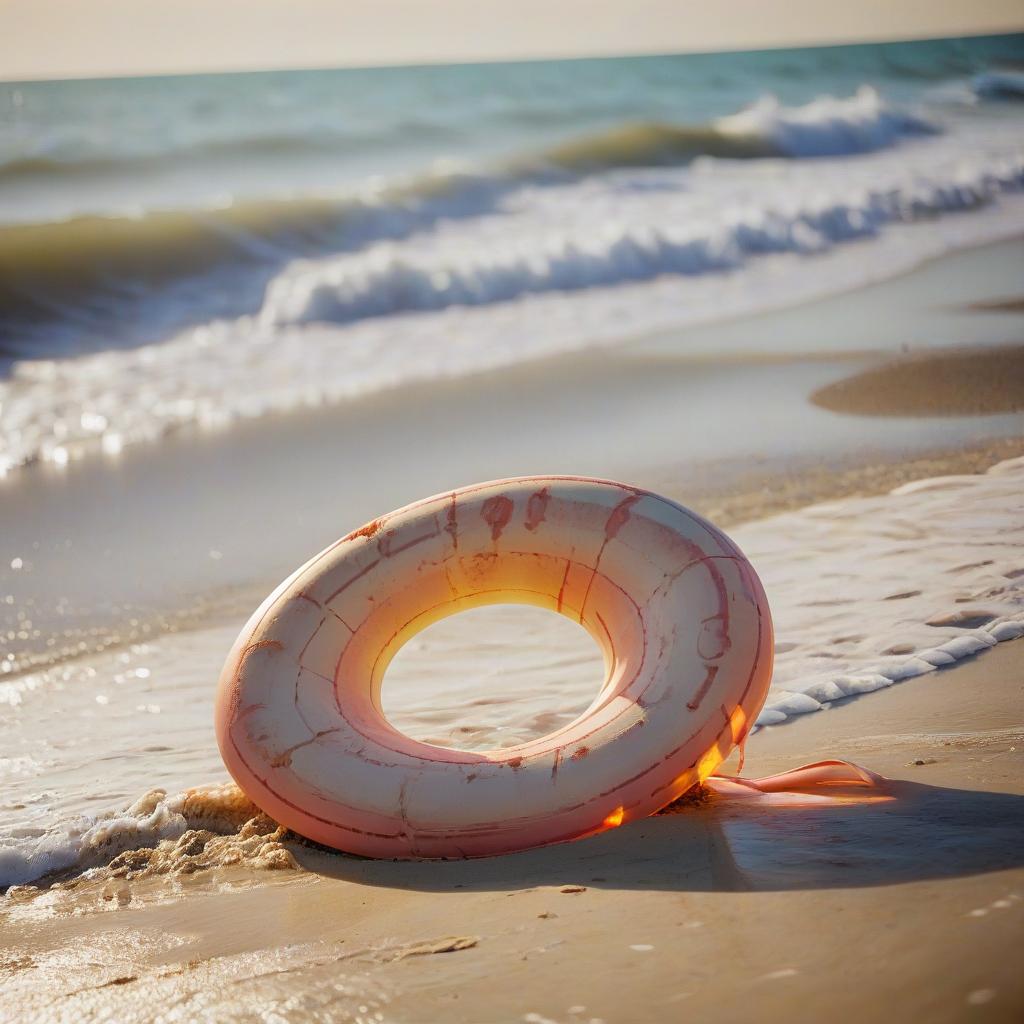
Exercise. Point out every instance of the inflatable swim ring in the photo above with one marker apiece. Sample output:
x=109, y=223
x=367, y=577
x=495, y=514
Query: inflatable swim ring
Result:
x=675, y=607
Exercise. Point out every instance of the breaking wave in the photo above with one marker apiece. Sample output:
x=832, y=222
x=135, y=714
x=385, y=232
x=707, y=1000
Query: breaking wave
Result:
x=384, y=280
x=90, y=270
x=93, y=270
x=827, y=126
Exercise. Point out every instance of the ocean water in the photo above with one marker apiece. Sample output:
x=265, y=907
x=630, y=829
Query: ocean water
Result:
x=187, y=252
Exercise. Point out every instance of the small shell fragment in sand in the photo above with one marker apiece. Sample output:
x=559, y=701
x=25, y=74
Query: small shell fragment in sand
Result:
x=981, y=996
x=449, y=944
x=785, y=972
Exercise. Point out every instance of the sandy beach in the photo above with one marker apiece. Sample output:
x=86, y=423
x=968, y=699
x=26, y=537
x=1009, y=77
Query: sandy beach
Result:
x=865, y=911
x=790, y=302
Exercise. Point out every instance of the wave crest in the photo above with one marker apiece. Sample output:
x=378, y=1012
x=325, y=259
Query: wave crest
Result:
x=999, y=85
x=92, y=272
x=827, y=126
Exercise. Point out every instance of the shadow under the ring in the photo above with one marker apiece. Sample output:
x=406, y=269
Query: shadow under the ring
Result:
x=924, y=832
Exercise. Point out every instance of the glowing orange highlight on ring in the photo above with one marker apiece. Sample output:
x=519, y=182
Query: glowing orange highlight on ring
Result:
x=614, y=820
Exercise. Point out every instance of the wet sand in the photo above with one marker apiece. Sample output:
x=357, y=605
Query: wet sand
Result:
x=961, y=383
x=756, y=492
x=906, y=909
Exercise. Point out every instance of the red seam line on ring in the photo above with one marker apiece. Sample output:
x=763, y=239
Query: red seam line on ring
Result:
x=348, y=583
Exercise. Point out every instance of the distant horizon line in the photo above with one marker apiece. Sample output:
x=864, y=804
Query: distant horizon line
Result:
x=879, y=40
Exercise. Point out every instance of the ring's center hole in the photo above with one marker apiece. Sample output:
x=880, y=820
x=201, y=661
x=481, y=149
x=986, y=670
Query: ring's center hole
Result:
x=492, y=677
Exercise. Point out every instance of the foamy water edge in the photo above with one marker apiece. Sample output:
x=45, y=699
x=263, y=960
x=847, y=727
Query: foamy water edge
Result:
x=831, y=534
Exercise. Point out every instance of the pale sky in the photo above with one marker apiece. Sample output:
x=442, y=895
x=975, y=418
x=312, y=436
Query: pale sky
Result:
x=85, y=38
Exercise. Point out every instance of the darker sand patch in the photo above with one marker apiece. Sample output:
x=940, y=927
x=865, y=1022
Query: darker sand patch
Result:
x=961, y=383
x=998, y=306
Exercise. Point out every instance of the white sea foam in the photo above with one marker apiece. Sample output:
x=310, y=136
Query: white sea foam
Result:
x=91, y=841
x=827, y=126
x=504, y=261
x=869, y=592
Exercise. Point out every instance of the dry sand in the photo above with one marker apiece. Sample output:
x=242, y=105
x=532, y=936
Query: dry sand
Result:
x=909, y=909
x=960, y=383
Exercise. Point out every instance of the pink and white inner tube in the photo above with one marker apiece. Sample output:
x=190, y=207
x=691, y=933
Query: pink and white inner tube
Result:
x=675, y=607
